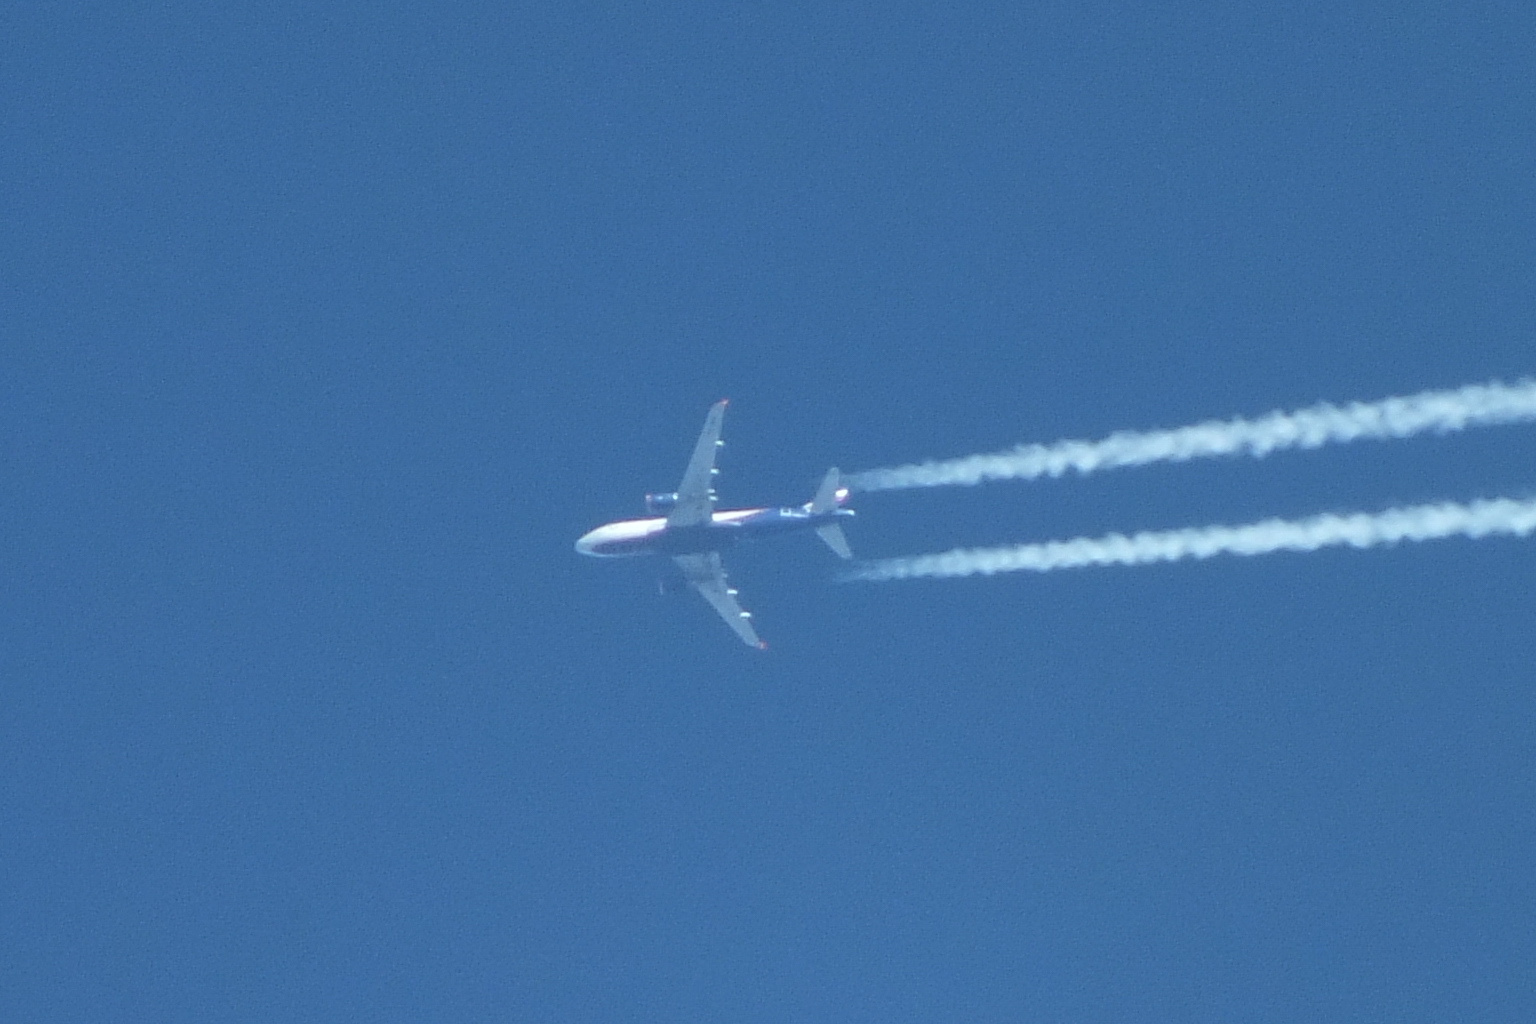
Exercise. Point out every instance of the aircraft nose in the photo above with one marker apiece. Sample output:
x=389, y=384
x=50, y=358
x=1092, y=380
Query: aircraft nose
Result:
x=584, y=545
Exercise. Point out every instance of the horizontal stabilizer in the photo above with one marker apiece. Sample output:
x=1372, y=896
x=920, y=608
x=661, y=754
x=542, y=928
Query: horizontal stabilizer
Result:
x=830, y=494
x=832, y=534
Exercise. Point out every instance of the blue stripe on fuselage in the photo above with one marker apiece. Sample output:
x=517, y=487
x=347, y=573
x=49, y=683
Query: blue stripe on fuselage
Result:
x=722, y=533
x=724, y=530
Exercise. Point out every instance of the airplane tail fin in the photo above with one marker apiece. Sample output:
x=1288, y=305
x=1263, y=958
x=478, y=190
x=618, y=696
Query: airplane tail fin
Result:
x=833, y=536
x=829, y=496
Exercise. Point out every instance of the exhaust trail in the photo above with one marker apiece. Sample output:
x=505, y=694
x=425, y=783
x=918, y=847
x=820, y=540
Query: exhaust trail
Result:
x=1441, y=412
x=1493, y=517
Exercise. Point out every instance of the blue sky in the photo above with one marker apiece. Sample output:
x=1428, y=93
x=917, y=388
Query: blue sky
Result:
x=325, y=330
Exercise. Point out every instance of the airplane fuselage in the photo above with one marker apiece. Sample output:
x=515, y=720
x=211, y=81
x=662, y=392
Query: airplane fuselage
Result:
x=684, y=527
x=727, y=527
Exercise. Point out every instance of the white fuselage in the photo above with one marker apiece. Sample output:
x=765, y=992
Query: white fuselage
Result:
x=642, y=536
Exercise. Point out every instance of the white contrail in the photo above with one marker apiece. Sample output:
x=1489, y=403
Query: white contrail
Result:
x=1360, y=530
x=1439, y=411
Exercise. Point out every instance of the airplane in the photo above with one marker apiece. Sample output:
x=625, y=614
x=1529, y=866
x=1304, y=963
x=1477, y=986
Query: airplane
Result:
x=686, y=527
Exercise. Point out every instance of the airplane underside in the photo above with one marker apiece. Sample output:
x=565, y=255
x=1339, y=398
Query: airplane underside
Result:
x=723, y=535
x=690, y=531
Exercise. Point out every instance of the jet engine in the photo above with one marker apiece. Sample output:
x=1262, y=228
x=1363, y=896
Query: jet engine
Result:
x=660, y=504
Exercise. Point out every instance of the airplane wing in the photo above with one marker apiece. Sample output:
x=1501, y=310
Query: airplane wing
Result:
x=705, y=573
x=696, y=494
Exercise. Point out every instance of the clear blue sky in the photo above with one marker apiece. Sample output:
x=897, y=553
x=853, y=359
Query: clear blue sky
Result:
x=326, y=329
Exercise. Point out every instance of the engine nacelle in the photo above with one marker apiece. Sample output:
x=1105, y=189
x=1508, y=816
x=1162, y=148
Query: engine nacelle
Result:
x=660, y=504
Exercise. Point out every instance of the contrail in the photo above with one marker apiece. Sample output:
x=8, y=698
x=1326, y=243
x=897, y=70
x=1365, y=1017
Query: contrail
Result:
x=1361, y=530
x=1439, y=411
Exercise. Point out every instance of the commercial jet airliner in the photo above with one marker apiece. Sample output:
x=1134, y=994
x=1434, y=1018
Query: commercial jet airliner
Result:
x=687, y=528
